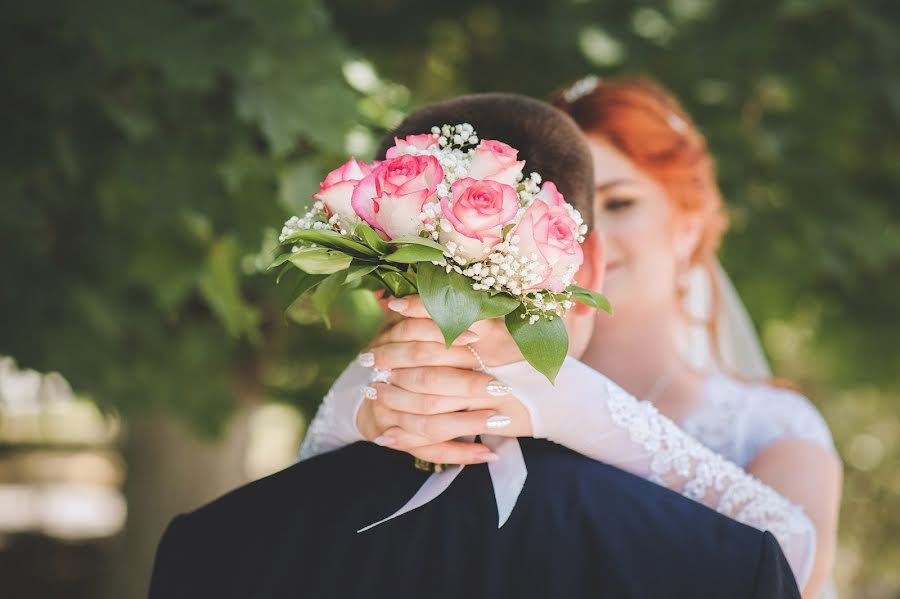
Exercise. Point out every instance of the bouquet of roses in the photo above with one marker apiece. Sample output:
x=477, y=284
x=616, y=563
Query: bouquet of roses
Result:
x=453, y=219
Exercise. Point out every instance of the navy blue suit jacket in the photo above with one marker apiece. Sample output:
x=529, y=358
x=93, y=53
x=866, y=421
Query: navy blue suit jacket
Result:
x=580, y=529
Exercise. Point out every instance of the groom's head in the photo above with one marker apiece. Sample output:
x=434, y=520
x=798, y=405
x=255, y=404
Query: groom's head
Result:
x=547, y=139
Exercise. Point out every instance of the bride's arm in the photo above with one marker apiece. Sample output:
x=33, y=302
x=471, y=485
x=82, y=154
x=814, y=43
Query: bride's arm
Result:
x=334, y=424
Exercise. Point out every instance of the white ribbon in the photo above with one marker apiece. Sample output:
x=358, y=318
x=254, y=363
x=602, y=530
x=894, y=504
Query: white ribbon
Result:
x=507, y=474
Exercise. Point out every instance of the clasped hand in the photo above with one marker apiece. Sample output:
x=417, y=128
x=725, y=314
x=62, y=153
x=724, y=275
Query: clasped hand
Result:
x=434, y=395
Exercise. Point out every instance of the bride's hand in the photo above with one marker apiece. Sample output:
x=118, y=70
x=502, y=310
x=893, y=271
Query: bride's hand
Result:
x=434, y=395
x=490, y=338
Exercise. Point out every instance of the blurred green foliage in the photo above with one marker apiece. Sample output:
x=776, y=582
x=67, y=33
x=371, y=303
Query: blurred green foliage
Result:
x=153, y=148
x=152, y=151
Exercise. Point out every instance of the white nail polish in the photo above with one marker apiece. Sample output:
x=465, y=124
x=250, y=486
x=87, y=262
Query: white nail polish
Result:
x=366, y=359
x=370, y=393
x=398, y=305
x=497, y=388
x=499, y=421
x=489, y=457
x=380, y=376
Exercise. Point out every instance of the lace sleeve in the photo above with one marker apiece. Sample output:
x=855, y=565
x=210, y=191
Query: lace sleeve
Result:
x=334, y=424
x=590, y=414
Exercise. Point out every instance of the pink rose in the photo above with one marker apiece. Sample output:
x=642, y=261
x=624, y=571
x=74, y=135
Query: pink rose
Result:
x=551, y=236
x=550, y=195
x=478, y=213
x=496, y=161
x=422, y=142
x=391, y=197
x=337, y=188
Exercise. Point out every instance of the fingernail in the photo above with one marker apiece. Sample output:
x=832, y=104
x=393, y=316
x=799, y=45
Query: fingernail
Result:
x=468, y=337
x=398, y=305
x=370, y=392
x=385, y=441
x=497, y=388
x=366, y=359
x=488, y=457
x=380, y=375
x=498, y=421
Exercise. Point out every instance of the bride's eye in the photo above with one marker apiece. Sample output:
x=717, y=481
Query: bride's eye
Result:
x=617, y=204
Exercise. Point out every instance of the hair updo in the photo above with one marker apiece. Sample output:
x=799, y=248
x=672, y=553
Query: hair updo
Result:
x=547, y=139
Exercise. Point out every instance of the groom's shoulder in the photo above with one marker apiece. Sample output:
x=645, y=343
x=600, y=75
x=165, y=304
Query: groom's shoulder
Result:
x=203, y=548
x=642, y=522
x=318, y=480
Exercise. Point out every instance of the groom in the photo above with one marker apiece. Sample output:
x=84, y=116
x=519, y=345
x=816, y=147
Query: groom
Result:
x=580, y=528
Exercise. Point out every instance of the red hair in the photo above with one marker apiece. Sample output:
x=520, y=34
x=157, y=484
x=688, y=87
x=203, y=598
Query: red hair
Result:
x=648, y=125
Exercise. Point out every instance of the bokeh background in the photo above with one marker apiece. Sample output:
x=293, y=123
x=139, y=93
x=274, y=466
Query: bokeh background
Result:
x=151, y=150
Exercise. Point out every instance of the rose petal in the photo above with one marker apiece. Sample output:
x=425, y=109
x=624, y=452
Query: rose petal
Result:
x=363, y=201
x=550, y=194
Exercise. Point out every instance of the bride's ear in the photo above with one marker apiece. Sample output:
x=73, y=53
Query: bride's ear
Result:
x=590, y=275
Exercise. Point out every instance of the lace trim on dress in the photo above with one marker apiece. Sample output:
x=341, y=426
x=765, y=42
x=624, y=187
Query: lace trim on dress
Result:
x=683, y=464
x=318, y=438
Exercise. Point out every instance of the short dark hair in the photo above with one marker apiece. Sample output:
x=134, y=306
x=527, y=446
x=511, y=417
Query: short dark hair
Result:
x=547, y=139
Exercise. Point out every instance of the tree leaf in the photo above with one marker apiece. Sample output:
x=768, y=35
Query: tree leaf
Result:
x=497, y=305
x=409, y=254
x=372, y=238
x=221, y=288
x=320, y=261
x=333, y=240
x=544, y=344
x=449, y=299
x=590, y=298
x=326, y=293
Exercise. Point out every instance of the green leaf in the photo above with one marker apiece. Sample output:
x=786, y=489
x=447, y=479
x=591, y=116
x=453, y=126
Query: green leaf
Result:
x=449, y=299
x=333, y=240
x=287, y=268
x=422, y=241
x=320, y=261
x=544, y=344
x=280, y=260
x=415, y=253
x=398, y=284
x=372, y=238
x=357, y=271
x=590, y=298
x=306, y=282
x=326, y=294
x=372, y=282
x=497, y=305
x=221, y=288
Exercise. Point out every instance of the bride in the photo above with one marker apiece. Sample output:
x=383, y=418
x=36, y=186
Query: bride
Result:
x=691, y=407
